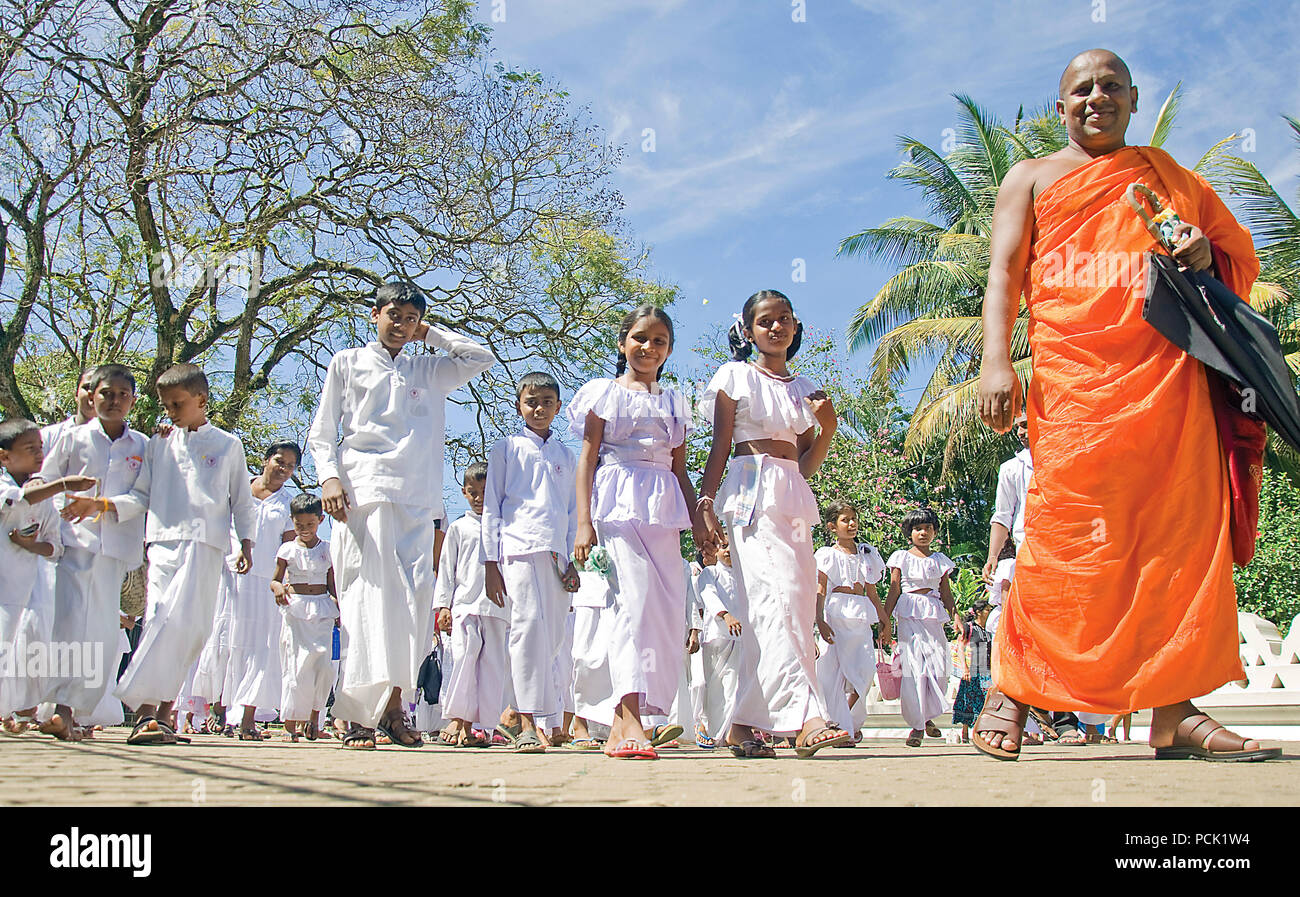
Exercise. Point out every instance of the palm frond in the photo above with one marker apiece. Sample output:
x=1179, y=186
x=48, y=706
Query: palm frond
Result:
x=980, y=134
x=918, y=289
x=899, y=241
x=944, y=190
x=1214, y=156
x=954, y=414
x=1261, y=207
x=1165, y=118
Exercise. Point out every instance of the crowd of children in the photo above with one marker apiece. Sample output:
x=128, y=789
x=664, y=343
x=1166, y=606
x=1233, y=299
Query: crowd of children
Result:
x=559, y=605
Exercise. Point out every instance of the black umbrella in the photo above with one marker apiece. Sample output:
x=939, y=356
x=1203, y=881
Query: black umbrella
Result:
x=1197, y=313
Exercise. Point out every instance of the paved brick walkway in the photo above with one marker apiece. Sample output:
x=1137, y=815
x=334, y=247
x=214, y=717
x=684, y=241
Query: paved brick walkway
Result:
x=221, y=771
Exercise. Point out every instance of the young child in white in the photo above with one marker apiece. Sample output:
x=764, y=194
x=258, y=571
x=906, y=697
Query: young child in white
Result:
x=479, y=626
x=593, y=688
x=634, y=498
x=721, y=647
x=253, y=677
x=98, y=551
x=29, y=531
x=1003, y=573
x=193, y=483
x=529, y=522
x=920, y=596
x=773, y=417
x=303, y=585
x=377, y=440
x=847, y=607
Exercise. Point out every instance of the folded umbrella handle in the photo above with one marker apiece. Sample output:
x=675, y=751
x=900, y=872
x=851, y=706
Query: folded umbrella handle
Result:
x=1160, y=222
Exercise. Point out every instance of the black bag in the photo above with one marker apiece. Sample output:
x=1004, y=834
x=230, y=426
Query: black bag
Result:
x=428, y=682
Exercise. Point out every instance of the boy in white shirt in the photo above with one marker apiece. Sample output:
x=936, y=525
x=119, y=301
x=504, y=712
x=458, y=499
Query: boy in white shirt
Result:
x=479, y=625
x=721, y=647
x=193, y=483
x=98, y=552
x=377, y=440
x=529, y=523
x=29, y=531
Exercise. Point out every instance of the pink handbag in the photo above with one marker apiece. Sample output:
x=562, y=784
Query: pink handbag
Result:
x=889, y=675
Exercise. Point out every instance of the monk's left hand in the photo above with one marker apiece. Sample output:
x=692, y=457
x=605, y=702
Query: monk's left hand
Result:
x=1192, y=247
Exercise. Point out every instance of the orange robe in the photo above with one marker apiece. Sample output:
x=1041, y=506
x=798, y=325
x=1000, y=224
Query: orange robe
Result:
x=1123, y=596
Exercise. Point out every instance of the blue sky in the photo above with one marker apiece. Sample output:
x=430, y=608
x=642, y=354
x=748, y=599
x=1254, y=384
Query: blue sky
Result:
x=772, y=137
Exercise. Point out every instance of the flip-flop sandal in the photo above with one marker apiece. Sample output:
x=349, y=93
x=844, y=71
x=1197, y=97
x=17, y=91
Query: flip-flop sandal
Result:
x=250, y=735
x=811, y=745
x=1044, y=720
x=510, y=733
x=631, y=749
x=528, y=743
x=309, y=732
x=998, y=708
x=582, y=744
x=1196, y=737
x=472, y=740
x=661, y=735
x=389, y=727
x=752, y=750
x=355, y=739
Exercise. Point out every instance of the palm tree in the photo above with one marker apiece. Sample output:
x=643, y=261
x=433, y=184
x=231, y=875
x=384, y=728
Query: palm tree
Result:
x=929, y=311
x=1276, y=229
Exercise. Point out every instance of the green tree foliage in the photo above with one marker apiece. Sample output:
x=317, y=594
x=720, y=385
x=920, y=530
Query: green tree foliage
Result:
x=1270, y=584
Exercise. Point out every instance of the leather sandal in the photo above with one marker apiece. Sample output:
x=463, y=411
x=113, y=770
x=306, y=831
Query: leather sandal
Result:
x=1000, y=714
x=1198, y=737
x=826, y=736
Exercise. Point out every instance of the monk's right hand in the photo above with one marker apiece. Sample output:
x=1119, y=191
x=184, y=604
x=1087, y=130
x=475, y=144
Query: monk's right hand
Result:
x=494, y=584
x=1001, y=394
x=334, y=500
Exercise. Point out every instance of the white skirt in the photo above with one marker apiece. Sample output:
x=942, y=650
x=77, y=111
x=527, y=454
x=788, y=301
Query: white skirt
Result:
x=308, y=673
x=87, y=601
x=476, y=683
x=209, y=678
x=593, y=689
x=383, y=569
x=22, y=683
x=253, y=676
x=776, y=590
x=923, y=693
x=648, y=639
x=182, y=590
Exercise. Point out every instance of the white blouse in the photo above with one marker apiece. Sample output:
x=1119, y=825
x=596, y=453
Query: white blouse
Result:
x=767, y=407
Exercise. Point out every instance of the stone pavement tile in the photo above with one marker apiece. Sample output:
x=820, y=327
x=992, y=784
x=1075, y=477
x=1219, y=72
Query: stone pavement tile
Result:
x=219, y=771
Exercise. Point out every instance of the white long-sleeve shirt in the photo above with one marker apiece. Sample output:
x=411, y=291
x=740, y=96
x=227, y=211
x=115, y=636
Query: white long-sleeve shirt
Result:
x=460, y=585
x=1013, y=489
x=530, y=502
x=381, y=425
x=18, y=566
x=86, y=450
x=716, y=586
x=193, y=484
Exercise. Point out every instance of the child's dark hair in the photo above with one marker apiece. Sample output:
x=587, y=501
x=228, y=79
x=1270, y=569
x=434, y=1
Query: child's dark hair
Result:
x=538, y=381
x=105, y=372
x=399, y=292
x=284, y=445
x=629, y=321
x=475, y=473
x=918, y=517
x=11, y=429
x=742, y=348
x=833, y=511
x=306, y=503
x=189, y=377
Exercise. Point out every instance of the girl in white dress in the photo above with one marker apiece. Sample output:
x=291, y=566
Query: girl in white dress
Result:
x=635, y=498
x=920, y=596
x=303, y=584
x=847, y=607
x=773, y=417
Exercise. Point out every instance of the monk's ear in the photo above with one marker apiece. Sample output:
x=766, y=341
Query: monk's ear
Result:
x=1060, y=109
x=1133, y=96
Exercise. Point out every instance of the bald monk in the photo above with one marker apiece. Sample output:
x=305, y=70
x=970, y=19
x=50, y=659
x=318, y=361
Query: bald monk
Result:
x=1123, y=596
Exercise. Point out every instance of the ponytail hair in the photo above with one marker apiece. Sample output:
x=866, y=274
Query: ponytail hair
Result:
x=647, y=310
x=741, y=347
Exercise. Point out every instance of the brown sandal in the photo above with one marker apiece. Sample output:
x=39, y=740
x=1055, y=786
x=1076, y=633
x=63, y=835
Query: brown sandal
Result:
x=1004, y=715
x=1198, y=737
x=812, y=743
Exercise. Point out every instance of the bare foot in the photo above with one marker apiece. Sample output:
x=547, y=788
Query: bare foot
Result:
x=59, y=728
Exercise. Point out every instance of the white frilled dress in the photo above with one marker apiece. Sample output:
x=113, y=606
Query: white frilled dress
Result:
x=26, y=607
x=849, y=663
x=307, y=637
x=768, y=510
x=639, y=512
x=921, y=616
